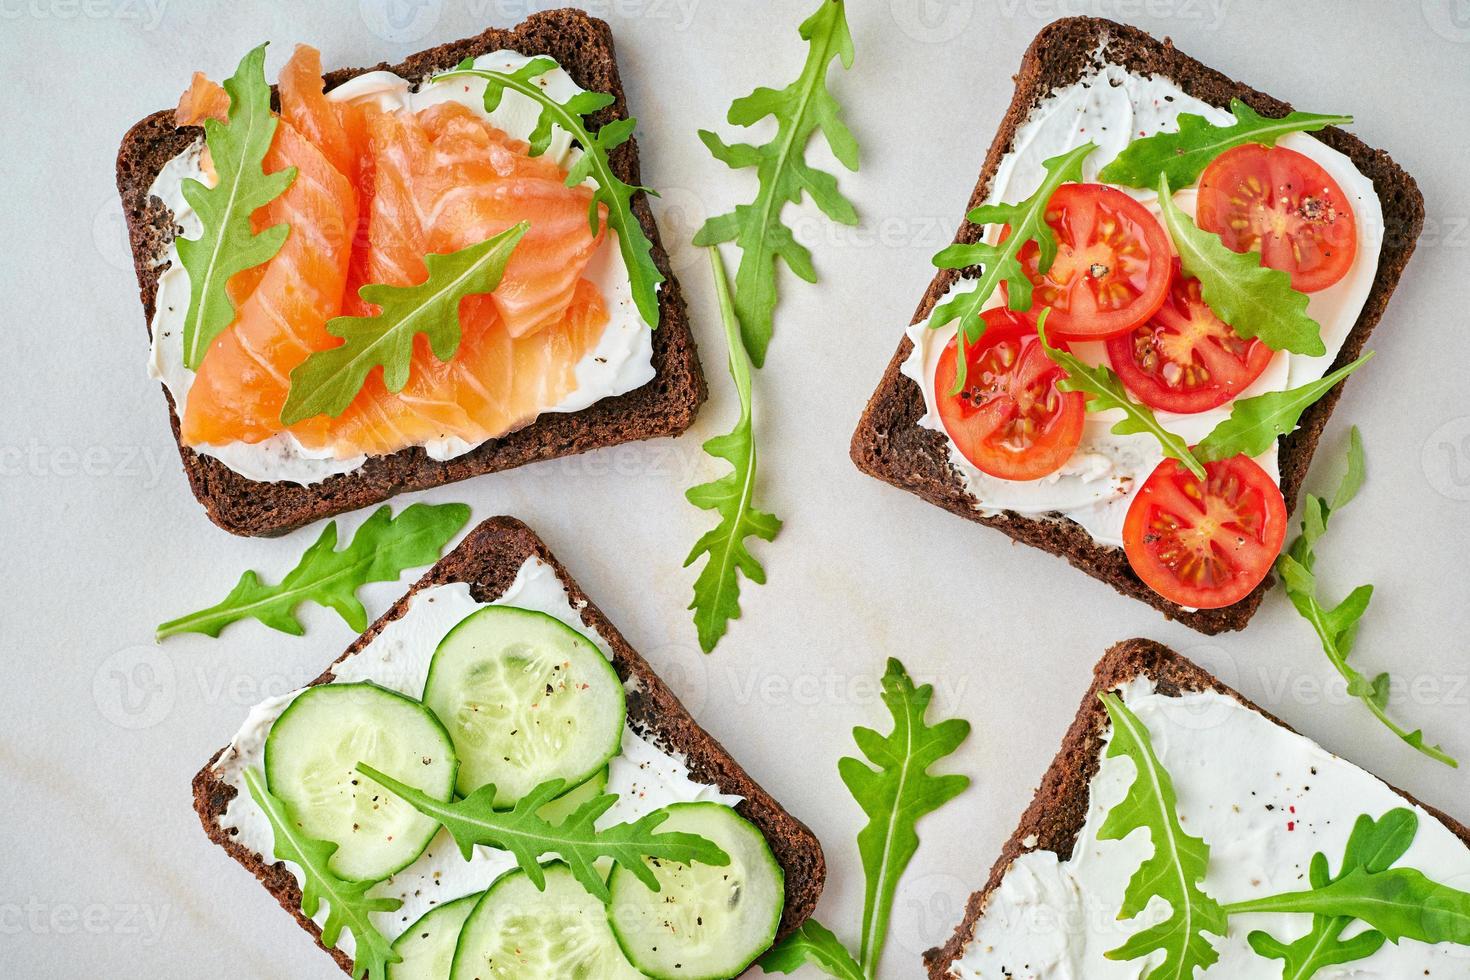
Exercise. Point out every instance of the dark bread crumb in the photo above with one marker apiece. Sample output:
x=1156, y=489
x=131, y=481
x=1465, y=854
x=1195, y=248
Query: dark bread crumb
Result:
x=488, y=560
x=666, y=406
x=1059, y=809
x=889, y=443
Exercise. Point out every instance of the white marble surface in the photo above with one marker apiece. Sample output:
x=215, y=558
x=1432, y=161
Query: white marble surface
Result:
x=104, y=866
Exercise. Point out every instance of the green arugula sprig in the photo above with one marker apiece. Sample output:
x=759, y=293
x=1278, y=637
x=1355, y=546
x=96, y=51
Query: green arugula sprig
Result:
x=895, y=788
x=380, y=551
x=328, y=380
x=1337, y=627
x=732, y=496
x=348, y=904
x=526, y=834
x=1001, y=263
x=1254, y=299
x=801, y=109
x=1176, y=869
x=1255, y=423
x=1182, y=156
x=595, y=162
x=228, y=243
x=1373, y=846
x=1104, y=390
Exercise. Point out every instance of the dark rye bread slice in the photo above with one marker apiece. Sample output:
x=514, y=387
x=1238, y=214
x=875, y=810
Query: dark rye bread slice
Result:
x=488, y=559
x=1059, y=809
x=666, y=406
x=889, y=443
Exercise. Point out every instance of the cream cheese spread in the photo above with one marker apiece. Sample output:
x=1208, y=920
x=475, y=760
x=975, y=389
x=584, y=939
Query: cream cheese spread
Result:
x=1264, y=798
x=621, y=361
x=1110, y=107
x=644, y=776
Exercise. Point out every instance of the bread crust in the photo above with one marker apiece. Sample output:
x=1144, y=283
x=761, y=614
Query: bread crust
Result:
x=488, y=559
x=1059, y=808
x=666, y=406
x=890, y=444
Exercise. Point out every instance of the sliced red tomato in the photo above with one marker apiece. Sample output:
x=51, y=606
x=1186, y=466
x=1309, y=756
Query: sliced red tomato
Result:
x=1185, y=359
x=1112, y=265
x=1205, y=544
x=1284, y=205
x=1009, y=420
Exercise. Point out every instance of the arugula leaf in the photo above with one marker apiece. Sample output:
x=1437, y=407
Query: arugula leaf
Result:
x=328, y=380
x=801, y=109
x=1181, y=157
x=229, y=244
x=595, y=162
x=1105, y=390
x=717, y=589
x=348, y=906
x=896, y=794
x=1254, y=423
x=1401, y=903
x=381, y=550
x=1256, y=300
x=812, y=944
x=527, y=835
x=1176, y=869
x=1374, y=846
x=1337, y=627
x=1027, y=220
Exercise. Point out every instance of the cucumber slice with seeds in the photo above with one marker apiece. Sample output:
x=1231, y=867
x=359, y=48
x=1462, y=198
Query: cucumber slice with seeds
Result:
x=310, y=755
x=427, y=946
x=519, y=933
x=525, y=699
x=705, y=922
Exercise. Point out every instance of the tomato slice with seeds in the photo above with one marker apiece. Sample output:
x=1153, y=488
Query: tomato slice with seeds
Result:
x=1205, y=544
x=1112, y=266
x=1009, y=420
x=1185, y=359
x=1282, y=204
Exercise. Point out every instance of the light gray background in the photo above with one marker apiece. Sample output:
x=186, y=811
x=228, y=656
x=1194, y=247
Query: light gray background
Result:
x=104, y=867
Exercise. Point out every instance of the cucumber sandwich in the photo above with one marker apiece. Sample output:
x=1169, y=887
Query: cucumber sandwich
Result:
x=491, y=783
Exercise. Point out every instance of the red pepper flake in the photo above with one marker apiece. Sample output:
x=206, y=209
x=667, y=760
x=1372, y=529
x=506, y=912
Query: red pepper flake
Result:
x=1290, y=826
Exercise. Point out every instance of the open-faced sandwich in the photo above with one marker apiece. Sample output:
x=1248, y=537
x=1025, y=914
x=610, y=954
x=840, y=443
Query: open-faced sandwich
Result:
x=1135, y=342
x=388, y=279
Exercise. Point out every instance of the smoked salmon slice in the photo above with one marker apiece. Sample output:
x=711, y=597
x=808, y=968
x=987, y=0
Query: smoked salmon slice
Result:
x=376, y=191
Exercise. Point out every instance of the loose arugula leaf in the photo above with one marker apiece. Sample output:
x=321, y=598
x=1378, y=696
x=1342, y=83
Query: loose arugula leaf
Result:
x=812, y=944
x=717, y=589
x=1254, y=423
x=527, y=835
x=896, y=794
x=1337, y=627
x=1105, y=390
x=595, y=162
x=1256, y=300
x=1374, y=846
x=381, y=550
x=1401, y=903
x=1027, y=221
x=348, y=905
x=1181, y=157
x=801, y=109
x=328, y=380
x=229, y=244
x=1175, y=871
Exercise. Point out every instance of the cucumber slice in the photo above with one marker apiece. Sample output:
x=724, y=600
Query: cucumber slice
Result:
x=519, y=933
x=525, y=698
x=427, y=946
x=706, y=922
x=309, y=758
x=567, y=803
